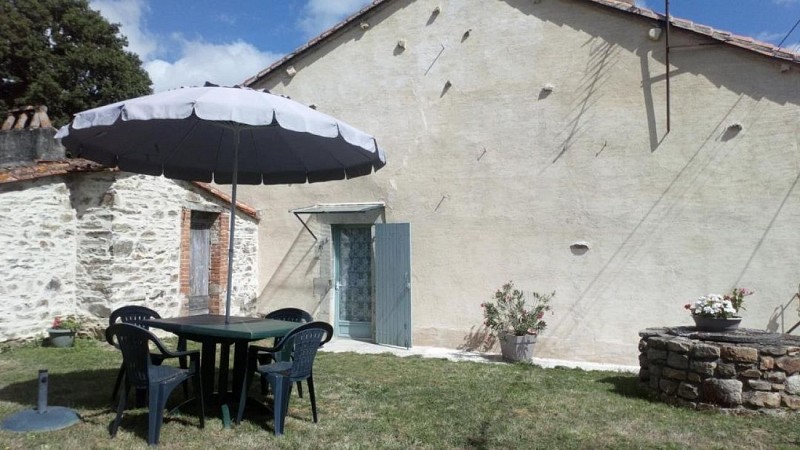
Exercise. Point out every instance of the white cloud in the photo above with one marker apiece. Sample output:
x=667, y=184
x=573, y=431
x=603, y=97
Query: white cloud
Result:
x=129, y=13
x=642, y=4
x=196, y=61
x=225, y=64
x=319, y=15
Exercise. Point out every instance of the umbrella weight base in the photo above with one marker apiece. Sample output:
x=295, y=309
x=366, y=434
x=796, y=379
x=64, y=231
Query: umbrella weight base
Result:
x=41, y=418
x=54, y=418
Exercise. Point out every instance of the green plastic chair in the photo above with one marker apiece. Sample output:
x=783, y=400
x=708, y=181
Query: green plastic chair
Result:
x=135, y=315
x=303, y=343
x=159, y=380
x=288, y=315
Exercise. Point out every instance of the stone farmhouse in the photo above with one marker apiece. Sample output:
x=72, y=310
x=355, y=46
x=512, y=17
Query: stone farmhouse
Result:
x=79, y=238
x=544, y=142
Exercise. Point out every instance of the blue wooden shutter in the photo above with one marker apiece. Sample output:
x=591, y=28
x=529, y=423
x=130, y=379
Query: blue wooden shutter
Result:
x=393, y=284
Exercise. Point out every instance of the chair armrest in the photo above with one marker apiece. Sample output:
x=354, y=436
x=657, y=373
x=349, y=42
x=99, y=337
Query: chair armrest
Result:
x=176, y=354
x=255, y=349
x=109, y=337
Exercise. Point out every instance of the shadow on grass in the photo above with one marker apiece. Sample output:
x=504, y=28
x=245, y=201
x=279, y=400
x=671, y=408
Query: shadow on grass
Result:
x=84, y=389
x=627, y=386
x=481, y=440
x=258, y=409
x=89, y=393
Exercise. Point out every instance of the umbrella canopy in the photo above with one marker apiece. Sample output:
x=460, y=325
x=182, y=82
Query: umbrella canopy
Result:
x=228, y=135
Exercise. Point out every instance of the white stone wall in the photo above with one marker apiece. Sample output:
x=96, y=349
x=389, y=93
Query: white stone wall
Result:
x=498, y=178
x=146, y=244
x=37, y=261
x=89, y=243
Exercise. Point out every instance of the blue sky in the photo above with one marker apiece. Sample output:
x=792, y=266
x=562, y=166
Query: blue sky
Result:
x=188, y=42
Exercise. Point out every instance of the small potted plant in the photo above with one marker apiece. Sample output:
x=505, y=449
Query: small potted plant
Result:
x=516, y=323
x=714, y=312
x=62, y=331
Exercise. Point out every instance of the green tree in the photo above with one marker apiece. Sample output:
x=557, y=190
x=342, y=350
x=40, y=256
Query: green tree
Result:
x=64, y=55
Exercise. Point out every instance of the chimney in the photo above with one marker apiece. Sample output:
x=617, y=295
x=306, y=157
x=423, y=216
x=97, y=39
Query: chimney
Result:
x=26, y=137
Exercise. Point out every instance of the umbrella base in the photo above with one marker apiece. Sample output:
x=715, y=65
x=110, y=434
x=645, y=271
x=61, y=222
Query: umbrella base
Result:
x=54, y=418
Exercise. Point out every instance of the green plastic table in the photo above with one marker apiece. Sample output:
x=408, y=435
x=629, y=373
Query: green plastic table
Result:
x=210, y=330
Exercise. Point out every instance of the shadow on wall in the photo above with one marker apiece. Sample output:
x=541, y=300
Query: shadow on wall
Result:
x=777, y=322
x=586, y=17
x=478, y=339
x=606, y=42
x=91, y=193
x=298, y=262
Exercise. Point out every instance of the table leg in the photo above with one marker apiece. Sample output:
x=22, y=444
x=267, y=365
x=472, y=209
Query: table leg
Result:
x=207, y=365
x=224, y=355
x=239, y=367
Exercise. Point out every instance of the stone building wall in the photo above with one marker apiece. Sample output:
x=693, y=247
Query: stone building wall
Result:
x=37, y=261
x=88, y=243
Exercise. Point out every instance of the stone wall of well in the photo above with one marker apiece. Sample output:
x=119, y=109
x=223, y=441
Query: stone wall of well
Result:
x=743, y=371
x=88, y=243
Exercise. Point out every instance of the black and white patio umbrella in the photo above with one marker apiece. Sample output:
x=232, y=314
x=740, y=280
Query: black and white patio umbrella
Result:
x=228, y=135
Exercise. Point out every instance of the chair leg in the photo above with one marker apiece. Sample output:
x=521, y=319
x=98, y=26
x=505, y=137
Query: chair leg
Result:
x=300, y=389
x=184, y=364
x=310, y=382
x=118, y=383
x=264, y=359
x=155, y=416
x=198, y=391
x=248, y=376
x=120, y=409
x=281, y=391
x=152, y=414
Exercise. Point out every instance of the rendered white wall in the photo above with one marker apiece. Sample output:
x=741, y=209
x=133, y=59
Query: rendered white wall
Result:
x=498, y=178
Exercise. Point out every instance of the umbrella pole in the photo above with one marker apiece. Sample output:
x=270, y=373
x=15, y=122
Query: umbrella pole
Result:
x=232, y=224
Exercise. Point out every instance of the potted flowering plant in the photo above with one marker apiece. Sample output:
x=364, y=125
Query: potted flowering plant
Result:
x=62, y=331
x=516, y=323
x=714, y=312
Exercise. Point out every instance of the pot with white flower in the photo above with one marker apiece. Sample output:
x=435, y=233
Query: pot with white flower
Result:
x=516, y=324
x=719, y=313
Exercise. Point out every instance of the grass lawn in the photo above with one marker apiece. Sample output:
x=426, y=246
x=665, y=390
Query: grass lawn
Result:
x=383, y=401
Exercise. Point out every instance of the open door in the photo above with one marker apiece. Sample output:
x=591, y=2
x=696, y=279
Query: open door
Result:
x=353, y=281
x=393, y=284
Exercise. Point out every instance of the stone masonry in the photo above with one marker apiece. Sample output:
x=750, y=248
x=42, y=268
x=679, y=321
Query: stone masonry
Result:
x=741, y=371
x=87, y=243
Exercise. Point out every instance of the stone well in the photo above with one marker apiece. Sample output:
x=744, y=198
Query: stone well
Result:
x=743, y=370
